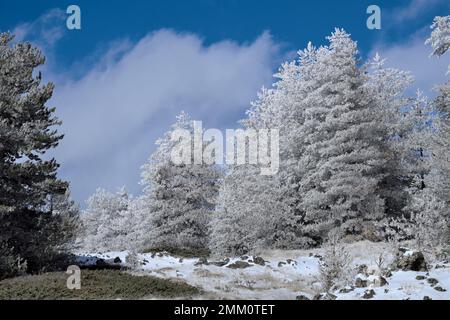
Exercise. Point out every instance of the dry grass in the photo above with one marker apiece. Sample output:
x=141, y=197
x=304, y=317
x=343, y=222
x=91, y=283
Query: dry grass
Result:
x=95, y=285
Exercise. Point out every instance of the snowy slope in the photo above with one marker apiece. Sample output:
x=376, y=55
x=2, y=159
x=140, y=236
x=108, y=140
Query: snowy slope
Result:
x=285, y=275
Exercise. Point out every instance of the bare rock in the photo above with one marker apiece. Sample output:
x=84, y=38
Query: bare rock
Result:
x=369, y=294
x=440, y=289
x=201, y=261
x=290, y=261
x=239, y=265
x=376, y=281
x=324, y=296
x=410, y=260
x=432, y=281
x=360, y=282
x=259, y=261
x=347, y=289
x=220, y=263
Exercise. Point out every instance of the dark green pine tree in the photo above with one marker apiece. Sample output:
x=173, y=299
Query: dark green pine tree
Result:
x=27, y=129
x=32, y=233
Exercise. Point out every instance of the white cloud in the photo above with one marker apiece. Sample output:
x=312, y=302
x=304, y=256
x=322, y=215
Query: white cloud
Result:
x=45, y=31
x=413, y=10
x=113, y=115
x=414, y=56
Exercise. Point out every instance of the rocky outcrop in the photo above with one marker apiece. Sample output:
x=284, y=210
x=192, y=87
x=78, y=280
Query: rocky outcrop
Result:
x=410, y=260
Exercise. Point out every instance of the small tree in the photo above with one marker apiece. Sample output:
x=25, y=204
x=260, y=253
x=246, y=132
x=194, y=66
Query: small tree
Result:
x=103, y=227
x=429, y=223
x=335, y=265
x=251, y=215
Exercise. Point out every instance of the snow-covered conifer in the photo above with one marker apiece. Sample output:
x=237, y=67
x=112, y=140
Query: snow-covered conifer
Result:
x=181, y=197
x=440, y=36
x=103, y=227
x=334, y=268
x=389, y=87
x=257, y=211
x=344, y=149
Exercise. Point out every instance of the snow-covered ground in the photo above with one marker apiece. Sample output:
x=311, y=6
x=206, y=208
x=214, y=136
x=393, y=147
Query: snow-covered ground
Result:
x=285, y=274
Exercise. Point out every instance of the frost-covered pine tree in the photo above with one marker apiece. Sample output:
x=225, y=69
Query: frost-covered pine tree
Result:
x=334, y=267
x=103, y=221
x=440, y=36
x=323, y=95
x=436, y=198
x=426, y=215
x=389, y=88
x=344, y=143
x=137, y=223
x=425, y=145
x=415, y=141
x=67, y=212
x=430, y=218
x=440, y=146
x=115, y=221
x=255, y=211
x=249, y=215
x=181, y=197
x=440, y=42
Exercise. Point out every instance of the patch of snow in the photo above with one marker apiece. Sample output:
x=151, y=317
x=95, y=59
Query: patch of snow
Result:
x=408, y=253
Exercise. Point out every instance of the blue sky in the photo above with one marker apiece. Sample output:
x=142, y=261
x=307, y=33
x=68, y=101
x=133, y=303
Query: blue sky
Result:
x=291, y=23
x=135, y=64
